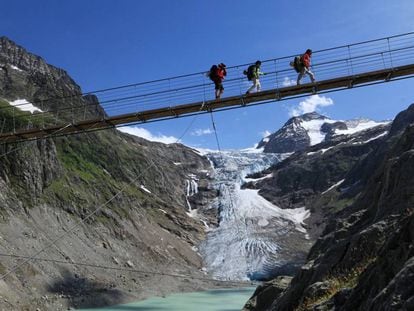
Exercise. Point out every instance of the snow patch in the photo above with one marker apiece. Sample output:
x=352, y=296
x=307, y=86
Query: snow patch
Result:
x=257, y=179
x=373, y=138
x=355, y=126
x=16, y=68
x=313, y=128
x=320, y=151
x=333, y=186
x=24, y=105
x=145, y=189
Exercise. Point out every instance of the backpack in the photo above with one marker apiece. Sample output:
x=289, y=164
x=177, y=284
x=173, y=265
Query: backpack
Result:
x=297, y=64
x=212, y=74
x=250, y=72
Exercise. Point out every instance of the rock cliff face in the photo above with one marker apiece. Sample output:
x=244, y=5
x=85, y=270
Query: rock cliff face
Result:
x=27, y=76
x=363, y=260
x=300, y=179
x=125, y=197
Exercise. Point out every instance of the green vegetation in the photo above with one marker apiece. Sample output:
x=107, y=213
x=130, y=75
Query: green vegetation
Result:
x=332, y=202
x=13, y=118
x=93, y=172
x=336, y=282
x=2, y=269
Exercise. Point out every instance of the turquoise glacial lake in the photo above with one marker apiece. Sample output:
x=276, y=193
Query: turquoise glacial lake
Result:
x=212, y=300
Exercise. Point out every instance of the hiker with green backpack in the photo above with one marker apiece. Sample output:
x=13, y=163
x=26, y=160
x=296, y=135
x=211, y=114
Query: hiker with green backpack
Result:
x=253, y=73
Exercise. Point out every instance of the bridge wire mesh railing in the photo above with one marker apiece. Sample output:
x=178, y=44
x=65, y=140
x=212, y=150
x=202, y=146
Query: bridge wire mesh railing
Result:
x=347, y=60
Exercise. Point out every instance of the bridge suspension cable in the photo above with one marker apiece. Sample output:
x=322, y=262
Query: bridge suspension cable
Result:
x=342, y=67
x=132, y=270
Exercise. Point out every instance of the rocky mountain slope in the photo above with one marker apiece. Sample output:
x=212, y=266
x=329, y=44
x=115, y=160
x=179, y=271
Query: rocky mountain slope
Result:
x=50, y=190
x=361, y=193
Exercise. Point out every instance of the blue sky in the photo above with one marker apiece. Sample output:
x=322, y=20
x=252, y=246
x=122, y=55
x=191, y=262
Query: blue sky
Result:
x=110, y=43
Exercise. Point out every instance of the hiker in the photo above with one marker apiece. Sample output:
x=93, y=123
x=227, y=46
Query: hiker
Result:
x=305, y=67
x=217, y=74
x=253, y=73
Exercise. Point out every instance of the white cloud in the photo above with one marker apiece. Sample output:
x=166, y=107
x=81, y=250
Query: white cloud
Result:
x=310, y=104
x=201, y=132
x=265, y=133
x=288, y=82
x=143, y=133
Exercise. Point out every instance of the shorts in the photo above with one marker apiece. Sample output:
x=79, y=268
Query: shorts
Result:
x=218, y=84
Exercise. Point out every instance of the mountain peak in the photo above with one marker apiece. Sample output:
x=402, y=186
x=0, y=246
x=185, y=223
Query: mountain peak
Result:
x=310, y=129
x=21, y=68
x=311, y=116
x=13, y=54
x=6, y=39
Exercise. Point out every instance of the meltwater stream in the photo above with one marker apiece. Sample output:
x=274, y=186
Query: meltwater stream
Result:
x=255, y=239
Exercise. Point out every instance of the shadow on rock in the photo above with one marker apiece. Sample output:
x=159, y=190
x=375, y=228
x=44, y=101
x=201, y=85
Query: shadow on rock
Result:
x=82, y=292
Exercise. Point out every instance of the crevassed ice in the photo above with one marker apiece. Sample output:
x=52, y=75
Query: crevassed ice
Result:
x=251, y=228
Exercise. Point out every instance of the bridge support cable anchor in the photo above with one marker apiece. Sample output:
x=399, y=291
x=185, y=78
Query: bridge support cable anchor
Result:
x=106, y=121
x=173, y=112
x=243, y=103
x=206, y=106
x=388, y=77
x=277, y=95
x=203, y=105
x=138, y=116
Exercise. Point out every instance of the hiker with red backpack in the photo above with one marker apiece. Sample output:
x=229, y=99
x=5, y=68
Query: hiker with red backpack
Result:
x=304, y=68
x=253, y=73
x=217, y=74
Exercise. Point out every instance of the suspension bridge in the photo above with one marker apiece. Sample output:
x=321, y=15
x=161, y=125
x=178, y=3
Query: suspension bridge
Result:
x=338, y=68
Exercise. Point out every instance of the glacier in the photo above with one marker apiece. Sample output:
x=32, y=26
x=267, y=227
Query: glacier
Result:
x=254, y=239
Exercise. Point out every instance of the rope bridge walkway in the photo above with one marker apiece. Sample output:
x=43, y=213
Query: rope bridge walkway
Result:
x=339, y=68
